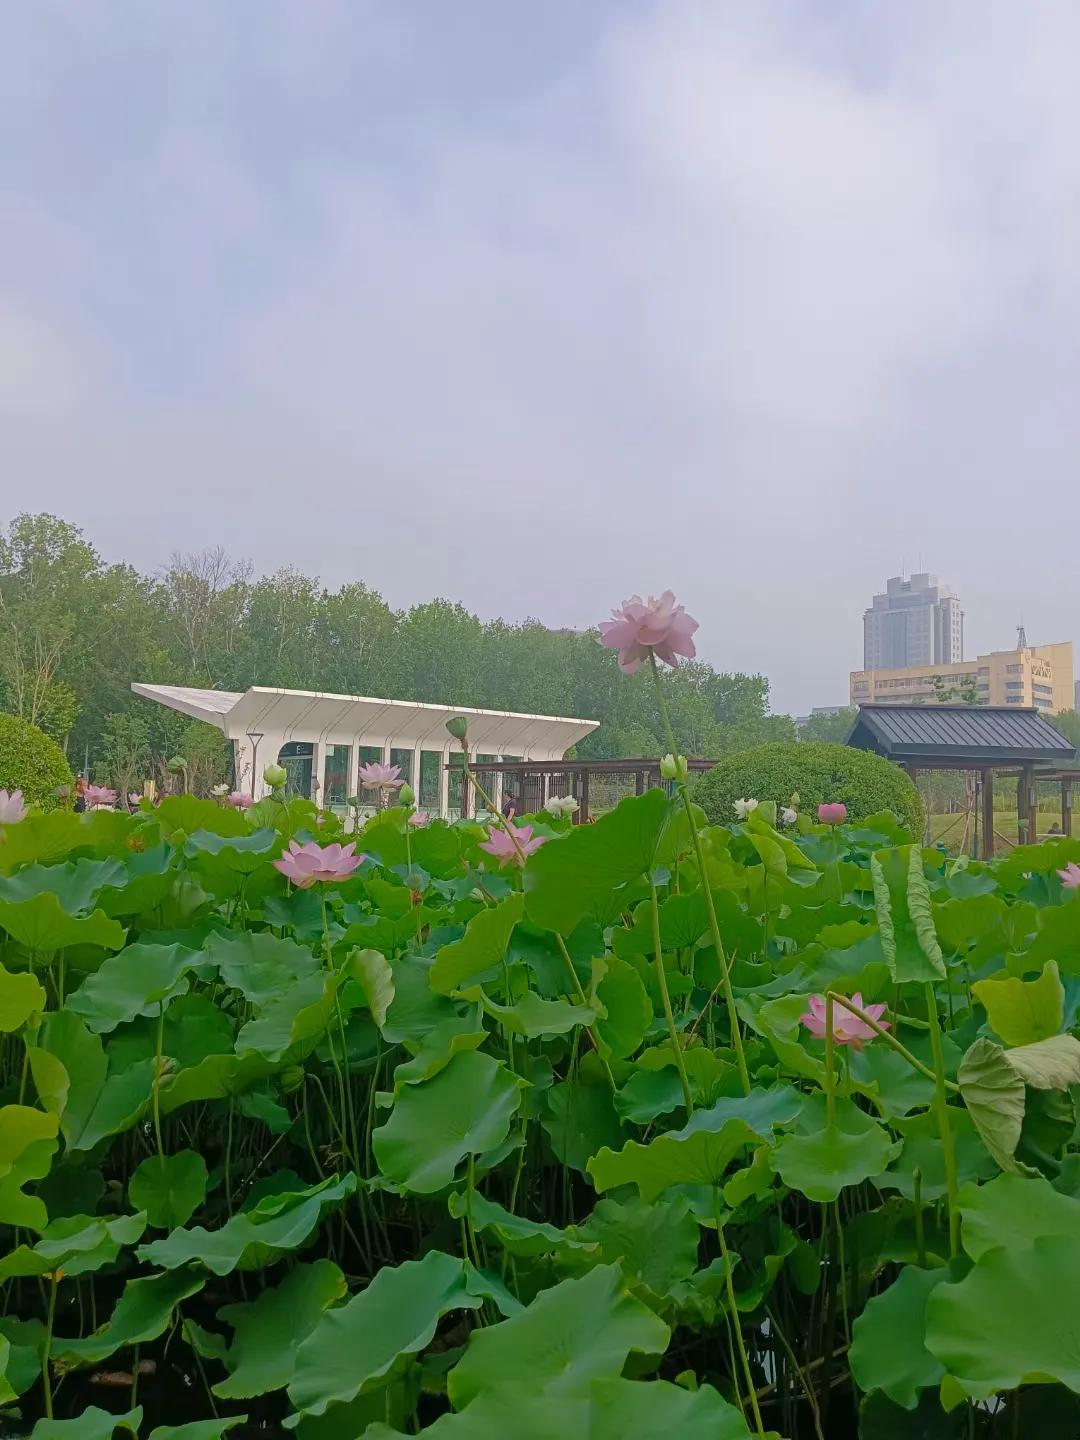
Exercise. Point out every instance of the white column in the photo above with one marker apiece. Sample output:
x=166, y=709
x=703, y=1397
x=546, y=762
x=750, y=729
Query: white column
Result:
x=415, y=779
x=496, y=790
x=318, y=771
x=265, y=754
x=351, y=781
x=444, y=778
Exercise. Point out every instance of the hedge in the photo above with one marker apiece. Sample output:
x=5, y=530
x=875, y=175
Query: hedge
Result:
x=31, y=762
x=818, y=773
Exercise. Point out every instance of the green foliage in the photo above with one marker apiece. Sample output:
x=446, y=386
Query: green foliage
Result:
x=31, y=762
x=384, y=1168
x=818, y=773
x=75, y=632
x=831, y=728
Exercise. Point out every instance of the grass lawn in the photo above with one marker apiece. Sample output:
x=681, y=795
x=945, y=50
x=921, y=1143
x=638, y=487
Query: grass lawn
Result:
x=949, y=829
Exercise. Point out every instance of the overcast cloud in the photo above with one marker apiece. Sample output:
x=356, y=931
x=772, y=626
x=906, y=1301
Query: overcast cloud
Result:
x=760, y=301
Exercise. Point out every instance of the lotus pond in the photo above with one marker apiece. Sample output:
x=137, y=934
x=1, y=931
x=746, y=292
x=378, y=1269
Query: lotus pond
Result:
x=478, y=1145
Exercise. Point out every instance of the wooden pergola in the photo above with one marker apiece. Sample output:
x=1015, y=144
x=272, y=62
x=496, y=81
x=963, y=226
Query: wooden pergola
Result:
x=987, y=740
x=532, y=782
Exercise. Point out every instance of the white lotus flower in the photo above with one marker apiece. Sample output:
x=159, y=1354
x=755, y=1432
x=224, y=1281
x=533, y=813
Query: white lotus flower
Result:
x=788, y=816
x=560, y=806
x=219, y=792
x=744, y=807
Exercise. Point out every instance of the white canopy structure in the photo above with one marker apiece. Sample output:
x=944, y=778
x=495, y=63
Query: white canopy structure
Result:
x=322, y=739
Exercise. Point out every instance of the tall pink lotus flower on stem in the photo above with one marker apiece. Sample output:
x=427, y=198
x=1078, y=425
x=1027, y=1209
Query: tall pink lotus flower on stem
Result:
x=380, y=777
x=99, y=796
x=1070, y=876
x=834, y=814
x=12, y=807
x=313, y=864
x=640, y=627
x=847, y=1029
x=501, y=843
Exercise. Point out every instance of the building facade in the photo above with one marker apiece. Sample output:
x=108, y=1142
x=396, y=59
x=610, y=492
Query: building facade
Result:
x=322, y=740
x=917, y=621
x=1039, y=677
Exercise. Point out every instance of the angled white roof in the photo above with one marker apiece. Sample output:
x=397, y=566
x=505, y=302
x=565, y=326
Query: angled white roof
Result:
x=362, y=719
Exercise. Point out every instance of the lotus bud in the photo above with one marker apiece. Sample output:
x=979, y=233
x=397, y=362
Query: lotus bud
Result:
x=458, y=727
x=177, y=765
x=674, y=767
x=275, y=776
x=406, y=796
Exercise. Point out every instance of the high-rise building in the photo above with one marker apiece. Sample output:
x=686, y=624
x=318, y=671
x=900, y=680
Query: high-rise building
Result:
x=1040, y=676
x=917, y=621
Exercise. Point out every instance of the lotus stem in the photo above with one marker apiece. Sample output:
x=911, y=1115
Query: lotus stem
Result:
x=665, y=996
x=941, y=1104
x=890, y=1039
x=710, y=908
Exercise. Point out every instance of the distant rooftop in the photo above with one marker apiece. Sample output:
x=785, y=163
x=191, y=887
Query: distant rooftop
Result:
x=318, y=715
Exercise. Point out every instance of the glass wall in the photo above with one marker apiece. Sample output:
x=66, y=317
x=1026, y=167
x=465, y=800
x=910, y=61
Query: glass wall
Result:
x=369, y=799
x=296, y=757
x=404, y=758
x=490, y=781
x=427, y=792
x=335, y=775
x=453, y=789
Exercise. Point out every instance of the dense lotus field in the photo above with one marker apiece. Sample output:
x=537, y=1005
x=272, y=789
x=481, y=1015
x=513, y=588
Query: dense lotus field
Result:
x=486, y=1138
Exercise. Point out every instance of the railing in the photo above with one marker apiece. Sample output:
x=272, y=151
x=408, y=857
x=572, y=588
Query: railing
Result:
x=597, y=785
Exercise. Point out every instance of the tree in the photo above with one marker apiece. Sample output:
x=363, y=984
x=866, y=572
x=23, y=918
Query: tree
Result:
x=74, y=634
x=967, y=693
x=46, y=570
x=125, y=752
x=206, y=593
x=832, y=727
x=1067, y=723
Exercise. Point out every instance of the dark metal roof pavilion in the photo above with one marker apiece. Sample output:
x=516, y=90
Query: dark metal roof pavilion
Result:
x=960, y=736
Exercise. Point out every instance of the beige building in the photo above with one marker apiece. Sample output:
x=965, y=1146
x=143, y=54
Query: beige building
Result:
x=1040, y=676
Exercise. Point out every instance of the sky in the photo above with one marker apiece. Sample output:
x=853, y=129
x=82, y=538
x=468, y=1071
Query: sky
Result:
x=534, y=306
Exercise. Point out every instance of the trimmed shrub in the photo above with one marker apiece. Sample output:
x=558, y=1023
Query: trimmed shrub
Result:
x=31, y=762
x=819, y=773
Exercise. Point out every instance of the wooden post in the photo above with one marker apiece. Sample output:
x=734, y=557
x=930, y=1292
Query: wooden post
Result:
x=987, y=847
x=1025, y=807
x=1066, y=807
x=639, y=782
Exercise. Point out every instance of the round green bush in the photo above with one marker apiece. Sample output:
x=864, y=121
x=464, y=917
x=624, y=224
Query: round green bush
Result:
x=818, y=773
x=31, y=762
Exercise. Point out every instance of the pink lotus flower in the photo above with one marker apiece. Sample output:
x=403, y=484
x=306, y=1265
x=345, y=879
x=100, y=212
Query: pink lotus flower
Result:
x=380, y=777
x=99, y=795
x=12, y=807
x=1070, y=876
x=419, y=817
x=240, y=800
x=848, y=1029
x=310, y=864
x=640, y=626
x=134, y=796
x=832, y=814
x=500, y=844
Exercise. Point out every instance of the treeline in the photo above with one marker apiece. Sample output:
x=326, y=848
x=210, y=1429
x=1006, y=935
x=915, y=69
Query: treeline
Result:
x=75, y=631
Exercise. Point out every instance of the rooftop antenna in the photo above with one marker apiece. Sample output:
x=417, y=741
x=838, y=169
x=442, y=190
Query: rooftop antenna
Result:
x=1021, y=635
